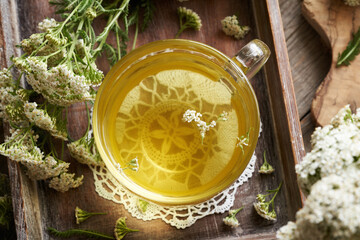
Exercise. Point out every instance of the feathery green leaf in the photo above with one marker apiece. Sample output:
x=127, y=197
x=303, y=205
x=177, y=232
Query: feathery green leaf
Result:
x=351, y=51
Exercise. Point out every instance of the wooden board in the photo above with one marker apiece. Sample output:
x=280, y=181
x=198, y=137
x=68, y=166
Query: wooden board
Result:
x=37, y=207
x=335, y=22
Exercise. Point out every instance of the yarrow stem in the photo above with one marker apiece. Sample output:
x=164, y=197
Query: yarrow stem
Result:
x=266, y=168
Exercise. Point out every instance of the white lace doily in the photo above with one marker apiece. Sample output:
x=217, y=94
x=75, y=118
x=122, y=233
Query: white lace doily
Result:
x=178, y=216
x=180, y=86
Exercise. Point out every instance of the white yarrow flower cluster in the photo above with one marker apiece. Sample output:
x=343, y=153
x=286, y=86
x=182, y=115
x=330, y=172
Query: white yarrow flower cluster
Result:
x=45, y=169
x=42, y=119
x=84, y=151
x=331, y=211
x=59, y=85
x=352, y=3
x=20, y=147
x=8, y=98
x=231, y=27
x=334, y=147
x=231, y=219
x=46, y=24
x=65, y=181
x=192, y=115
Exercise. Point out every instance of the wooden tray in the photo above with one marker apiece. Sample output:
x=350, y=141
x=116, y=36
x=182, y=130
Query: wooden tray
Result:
x=37, y=207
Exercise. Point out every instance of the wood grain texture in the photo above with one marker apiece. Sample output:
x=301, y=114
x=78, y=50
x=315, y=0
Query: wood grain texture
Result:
x=310, y=60
x=281, y=137
x=335, y=22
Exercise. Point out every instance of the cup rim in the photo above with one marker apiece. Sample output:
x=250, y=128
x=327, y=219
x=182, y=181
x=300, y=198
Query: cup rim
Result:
x=131, y=186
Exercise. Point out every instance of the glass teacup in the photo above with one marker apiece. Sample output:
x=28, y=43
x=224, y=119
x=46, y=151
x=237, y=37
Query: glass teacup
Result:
x=177, y=121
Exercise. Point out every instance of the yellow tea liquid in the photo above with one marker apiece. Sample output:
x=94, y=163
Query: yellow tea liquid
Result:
x=144, y=120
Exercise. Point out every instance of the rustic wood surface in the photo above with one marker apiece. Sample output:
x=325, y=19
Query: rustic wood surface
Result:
x=38, y=207
x=310, y=60
x=335, y=22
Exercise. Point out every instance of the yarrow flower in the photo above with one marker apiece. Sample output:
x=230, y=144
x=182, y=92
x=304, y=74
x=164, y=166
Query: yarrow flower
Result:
x=188, y=19
x=85, y=151
x=231, y=27
x=41, y=118
x=46, y=24
x=334, y=147
x=21, y=147
x=47, y=168
x=133, y=165
x=266, y=168
x=352, y=3
x=262, y=207
x=11, y=105
x=243, y=141
x=121, y=229
x=331, y=211
x=65, y=181
x=59, y=85
x=82, y=215
x=192, y=115
x=231, y=219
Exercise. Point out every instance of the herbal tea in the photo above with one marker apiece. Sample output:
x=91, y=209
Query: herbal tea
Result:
x=174, y=158
x=177, y=121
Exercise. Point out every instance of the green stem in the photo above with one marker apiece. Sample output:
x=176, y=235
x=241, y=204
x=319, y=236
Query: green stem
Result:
x=37, y=50
x=22, y=132
x=136, y=34
x=81, y=232
x=237, y=210
x=68, y=18
x=67, y=131
x=112, y=20
x=88, y=117
x=70, y=53
x=276, y=192
x=182, y=28
x=62, y=149
x=118, y=42
x=265, y=162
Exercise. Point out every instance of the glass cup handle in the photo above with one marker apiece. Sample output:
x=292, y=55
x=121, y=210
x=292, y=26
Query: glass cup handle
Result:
x=252, y=57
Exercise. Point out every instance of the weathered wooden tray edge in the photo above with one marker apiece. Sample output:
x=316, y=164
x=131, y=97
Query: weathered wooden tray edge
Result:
x=288, y=131
x=282, y=99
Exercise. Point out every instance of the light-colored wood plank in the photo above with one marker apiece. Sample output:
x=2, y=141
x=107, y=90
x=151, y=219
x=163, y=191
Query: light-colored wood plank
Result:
x=335, y=22
x=309, y=57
